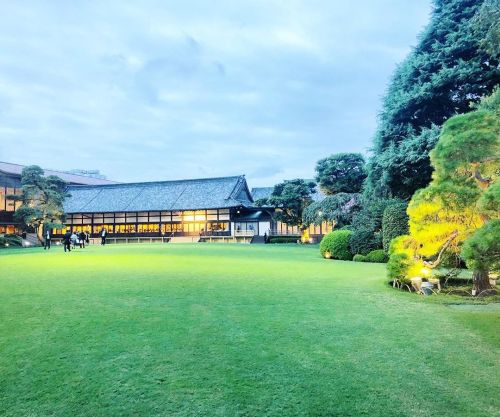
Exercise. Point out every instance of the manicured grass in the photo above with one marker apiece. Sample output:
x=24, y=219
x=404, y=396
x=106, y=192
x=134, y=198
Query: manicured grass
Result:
x=209, y=330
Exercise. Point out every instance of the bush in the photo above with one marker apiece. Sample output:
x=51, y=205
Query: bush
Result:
x=398, y=266
x=282, y=239
x=337, y=245
x=10, y=240
x=359, y=258
x=394, y=222
x=377, y=256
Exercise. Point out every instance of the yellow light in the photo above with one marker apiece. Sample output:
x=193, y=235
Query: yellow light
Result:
x=425, y=271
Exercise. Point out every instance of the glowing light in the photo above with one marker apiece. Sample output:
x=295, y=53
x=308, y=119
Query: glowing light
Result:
x=7, y=244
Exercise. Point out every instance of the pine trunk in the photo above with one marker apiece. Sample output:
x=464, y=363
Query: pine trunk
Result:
x=481, y=282
x=39, y=233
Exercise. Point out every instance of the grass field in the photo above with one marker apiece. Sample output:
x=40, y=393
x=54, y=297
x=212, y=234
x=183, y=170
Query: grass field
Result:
x=235, y=330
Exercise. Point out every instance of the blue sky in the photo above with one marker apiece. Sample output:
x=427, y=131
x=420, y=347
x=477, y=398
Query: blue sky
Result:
x=155, y=90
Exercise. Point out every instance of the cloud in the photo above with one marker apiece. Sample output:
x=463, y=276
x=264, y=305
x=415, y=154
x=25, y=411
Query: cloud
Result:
x=163, y=90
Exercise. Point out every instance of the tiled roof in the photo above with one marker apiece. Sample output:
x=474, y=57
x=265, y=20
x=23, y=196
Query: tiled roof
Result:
x=196, y=194
x=16, y=169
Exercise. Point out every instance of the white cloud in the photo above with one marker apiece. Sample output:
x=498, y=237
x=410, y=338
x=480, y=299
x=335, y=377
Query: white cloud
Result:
x=157, y=90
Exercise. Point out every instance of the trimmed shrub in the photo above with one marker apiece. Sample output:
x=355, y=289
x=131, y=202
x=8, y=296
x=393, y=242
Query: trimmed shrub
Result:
x=377, y=256
x=282, y=239
x=10, y=240
x=359, y=258
x=394, y=222
x=336, y=244
x=398, y=266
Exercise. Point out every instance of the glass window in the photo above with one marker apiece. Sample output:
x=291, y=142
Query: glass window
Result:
x=154, y=218
x=200, y=216
x=131, y=217
x=98, y=218
x=2, y=199
x=10, y=204
x=188, y=216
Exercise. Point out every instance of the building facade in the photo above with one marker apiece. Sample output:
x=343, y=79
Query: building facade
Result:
x=10, y=184
x=208, y=208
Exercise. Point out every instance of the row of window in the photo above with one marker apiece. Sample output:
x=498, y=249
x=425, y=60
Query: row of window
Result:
x=149, y=217
x=166, y=228
x=7, y=204
x=322, y=229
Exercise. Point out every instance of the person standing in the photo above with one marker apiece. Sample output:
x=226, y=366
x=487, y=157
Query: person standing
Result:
x=67, y=241
x=47, y=239
x=104, y=233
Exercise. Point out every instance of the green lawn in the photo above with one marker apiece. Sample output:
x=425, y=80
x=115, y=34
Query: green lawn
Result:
x=235, y=330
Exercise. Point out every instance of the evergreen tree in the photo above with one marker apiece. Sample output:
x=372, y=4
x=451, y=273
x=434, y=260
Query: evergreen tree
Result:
x=447, y=71
x=42, y=200
x=463, y=196
x=341, y=173
x=291, y=197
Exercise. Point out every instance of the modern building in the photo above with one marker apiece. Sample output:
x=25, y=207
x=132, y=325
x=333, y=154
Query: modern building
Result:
x=208, y=209
x=10, y=184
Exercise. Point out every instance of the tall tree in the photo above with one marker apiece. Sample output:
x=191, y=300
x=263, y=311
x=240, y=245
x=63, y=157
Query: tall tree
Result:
x=463, y=195
x=291, y=197
x=446, y=72
x=42, y=200
x=341, y=173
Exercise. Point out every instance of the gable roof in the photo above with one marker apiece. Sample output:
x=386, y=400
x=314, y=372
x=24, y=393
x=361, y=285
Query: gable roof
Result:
x=16, y=169
x=205, y=193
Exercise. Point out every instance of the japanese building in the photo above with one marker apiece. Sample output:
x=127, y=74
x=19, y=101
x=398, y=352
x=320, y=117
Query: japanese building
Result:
x=210, y=209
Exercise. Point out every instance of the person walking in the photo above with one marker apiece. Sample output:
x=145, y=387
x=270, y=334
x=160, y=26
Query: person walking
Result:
x=104, y=233
x=81, y=239
x=74, y=240
x=47, y=239
x=67, y=241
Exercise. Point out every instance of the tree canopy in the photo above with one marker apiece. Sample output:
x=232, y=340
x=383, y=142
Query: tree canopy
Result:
x=341, y=173
x=463, y=194
x=291, y=197
x=338, y=209
x=447, y=71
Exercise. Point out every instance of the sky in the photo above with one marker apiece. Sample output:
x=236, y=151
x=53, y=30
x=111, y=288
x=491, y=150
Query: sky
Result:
x=160, y=90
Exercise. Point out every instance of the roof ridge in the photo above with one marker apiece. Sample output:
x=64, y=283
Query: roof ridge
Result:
x=121, y=184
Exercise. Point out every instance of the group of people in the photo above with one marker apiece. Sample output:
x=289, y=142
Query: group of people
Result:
x=72, y=239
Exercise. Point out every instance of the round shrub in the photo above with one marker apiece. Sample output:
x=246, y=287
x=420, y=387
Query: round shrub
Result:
x=359, y=258
x=394, y=222
x=377, y=256
x=336, y=245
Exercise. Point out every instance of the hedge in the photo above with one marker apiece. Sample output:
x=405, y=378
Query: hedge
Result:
x=336, y=244
x=283, y=239
x=10, y=240
x=377, y=256
x=359, y=258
